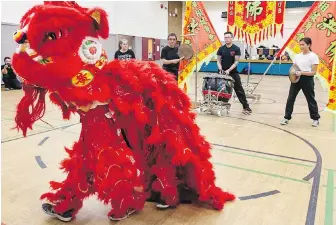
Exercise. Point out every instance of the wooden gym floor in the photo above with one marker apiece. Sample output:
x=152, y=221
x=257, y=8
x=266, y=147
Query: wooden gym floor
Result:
x=282, y=175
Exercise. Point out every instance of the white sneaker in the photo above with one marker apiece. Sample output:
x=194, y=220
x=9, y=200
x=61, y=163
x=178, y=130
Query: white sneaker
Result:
x=284, y=122
x=315, y=123
x=162, y=206
x=128, y=213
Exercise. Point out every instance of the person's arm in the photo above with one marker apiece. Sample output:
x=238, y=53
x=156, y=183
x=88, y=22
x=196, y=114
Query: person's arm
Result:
x=4, y=70
x=132, y=54
x=312, y=73
x=236, y=62
x=172, y=61
x=165, y=61
x=219, y=59
x=116, y=55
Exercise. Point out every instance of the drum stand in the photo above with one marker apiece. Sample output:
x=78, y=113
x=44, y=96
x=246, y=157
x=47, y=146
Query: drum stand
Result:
x=211, y=105
x=249, y=87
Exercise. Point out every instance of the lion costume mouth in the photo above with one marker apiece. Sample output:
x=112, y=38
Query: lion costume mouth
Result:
x=25, y=48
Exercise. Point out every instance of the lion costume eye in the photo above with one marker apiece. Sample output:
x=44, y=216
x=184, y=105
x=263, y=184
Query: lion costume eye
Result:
x=52, y=36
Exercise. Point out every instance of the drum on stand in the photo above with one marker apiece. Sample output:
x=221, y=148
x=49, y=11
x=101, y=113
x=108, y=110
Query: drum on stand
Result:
x=219, y=87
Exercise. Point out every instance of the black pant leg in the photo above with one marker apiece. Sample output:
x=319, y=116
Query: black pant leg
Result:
x=308, y=90
x=293, y=92
x=174, y=72
x=18, y=84
x=6, y=82
x=238, y=87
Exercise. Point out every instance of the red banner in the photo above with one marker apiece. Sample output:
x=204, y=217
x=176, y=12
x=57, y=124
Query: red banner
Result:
x=255, y=21
x=231, y=12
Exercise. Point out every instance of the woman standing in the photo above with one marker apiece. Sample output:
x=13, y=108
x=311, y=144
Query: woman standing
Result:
x=124, y=53
x=307, y=62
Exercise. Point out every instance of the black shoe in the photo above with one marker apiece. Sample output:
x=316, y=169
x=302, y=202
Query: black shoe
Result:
x=247, y=111
x=49, y=209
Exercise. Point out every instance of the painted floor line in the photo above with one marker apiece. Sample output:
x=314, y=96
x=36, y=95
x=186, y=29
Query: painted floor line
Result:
x=40, y=162
x=272, y=130
x=264, y=153
x=260, y=195
x=329, y=207
x=264, y=173
x=266, y=158
x=37, y=133
x=42, y=141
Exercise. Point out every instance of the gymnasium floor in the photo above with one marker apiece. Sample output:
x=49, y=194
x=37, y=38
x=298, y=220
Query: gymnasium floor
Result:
x=281, y=175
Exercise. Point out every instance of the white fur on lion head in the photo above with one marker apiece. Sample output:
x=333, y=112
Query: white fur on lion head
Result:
x=90, y=50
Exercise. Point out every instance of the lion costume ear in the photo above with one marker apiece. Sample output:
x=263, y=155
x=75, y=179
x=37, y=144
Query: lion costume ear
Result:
x=100, y=21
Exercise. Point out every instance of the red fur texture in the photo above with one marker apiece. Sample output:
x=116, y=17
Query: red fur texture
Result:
x=138, y=138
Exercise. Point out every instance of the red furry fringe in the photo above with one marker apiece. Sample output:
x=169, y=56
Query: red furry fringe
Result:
x=28, y=112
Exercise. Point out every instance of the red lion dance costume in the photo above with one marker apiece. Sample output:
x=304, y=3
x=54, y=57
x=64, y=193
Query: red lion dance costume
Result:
x=138, y=140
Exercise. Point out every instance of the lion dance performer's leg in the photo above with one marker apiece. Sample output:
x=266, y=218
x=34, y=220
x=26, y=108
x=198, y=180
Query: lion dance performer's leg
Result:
x=119, y=170
x=100, y=163
x=120, y=182
x=67, y=197
x=189, y=150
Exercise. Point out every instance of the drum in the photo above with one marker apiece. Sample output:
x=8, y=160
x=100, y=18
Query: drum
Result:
x=292, y=74
x=218, y=86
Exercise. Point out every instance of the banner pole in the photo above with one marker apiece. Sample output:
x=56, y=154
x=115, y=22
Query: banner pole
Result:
x=269, y=66
x=196, y=70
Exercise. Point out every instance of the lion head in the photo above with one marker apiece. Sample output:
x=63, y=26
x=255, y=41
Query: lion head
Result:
x=56, y=40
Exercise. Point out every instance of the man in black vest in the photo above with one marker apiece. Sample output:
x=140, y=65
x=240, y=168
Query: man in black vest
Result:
x=227, y=62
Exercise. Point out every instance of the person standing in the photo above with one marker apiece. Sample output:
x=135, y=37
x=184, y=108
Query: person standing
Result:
x=8, y=75
x=307, y=61
x=170, y=58
x=124, y=53
x=227, y=61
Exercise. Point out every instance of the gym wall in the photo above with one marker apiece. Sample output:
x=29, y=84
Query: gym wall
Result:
x=175, y=22
x=141, y=18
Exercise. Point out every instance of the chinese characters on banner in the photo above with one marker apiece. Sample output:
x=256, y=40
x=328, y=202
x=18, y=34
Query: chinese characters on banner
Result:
x=320, y=25
x=196, y=21
x=255, y=21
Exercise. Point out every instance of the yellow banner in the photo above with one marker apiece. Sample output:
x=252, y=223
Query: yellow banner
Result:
x=201, y=36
